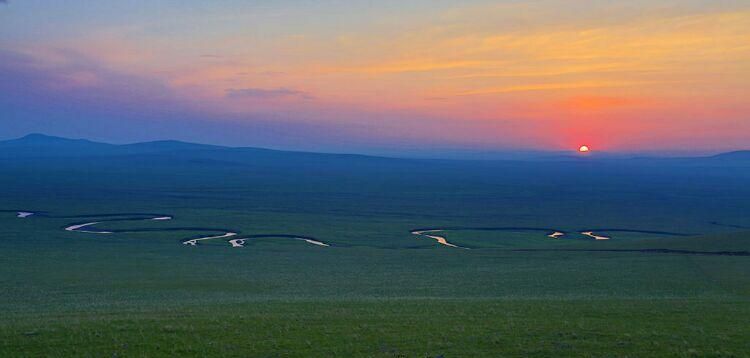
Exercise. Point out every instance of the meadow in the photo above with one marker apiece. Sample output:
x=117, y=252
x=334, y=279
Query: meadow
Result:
x=378, y=290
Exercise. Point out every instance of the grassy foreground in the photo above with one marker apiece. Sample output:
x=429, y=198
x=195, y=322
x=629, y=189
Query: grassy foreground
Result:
x=395, y=328
x=378, y=290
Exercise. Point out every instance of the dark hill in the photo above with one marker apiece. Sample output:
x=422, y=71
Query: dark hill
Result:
x=40, y=145
x=738, y=155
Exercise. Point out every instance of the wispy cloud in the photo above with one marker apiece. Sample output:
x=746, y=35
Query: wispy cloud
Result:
x=262, y=93
x=554, y=86
x=420, y=66
x=66, y=75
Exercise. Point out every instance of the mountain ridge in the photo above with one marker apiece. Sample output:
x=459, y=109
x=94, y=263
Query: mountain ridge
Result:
x=42, y=145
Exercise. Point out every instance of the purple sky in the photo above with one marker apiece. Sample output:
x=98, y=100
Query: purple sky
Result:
x=389, y=78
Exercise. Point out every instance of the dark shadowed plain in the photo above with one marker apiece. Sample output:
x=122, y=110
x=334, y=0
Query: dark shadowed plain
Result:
x=670, y=280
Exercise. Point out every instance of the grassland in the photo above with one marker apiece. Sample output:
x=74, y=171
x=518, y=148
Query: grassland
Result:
x=413, y=328
x=379, y=291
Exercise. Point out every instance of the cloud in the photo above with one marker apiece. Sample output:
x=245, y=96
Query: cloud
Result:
x=419, y=66
x=68, y=77
x=556, y=86
x=261, y=93
x=3, y=1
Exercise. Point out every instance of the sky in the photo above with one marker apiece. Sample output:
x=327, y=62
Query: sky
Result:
x=382, y=77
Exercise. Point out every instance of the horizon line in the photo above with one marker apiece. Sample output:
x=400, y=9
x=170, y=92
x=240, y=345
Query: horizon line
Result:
x=445, y=153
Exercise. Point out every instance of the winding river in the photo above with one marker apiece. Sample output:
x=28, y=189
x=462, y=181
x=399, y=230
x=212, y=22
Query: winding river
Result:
x=194, y=242
x=78, y=228
x=235, y=240
x=89, y=228
x=440, y=239
x=596, y=237
x=551, y=233
x=241, y=242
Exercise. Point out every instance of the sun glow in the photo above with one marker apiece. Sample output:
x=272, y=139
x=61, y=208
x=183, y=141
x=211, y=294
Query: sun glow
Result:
x=584, y=149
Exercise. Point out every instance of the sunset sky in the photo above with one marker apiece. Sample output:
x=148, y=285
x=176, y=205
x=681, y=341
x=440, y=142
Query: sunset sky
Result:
x=381, y=76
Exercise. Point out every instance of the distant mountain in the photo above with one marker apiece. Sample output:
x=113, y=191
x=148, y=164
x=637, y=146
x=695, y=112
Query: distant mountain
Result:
x=44, y=146
x=34, y=145
x=36, y=139
x=737, y=155
x=166, y=145
x=40, y=145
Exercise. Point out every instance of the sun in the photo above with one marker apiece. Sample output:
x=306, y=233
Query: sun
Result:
x=584, y=149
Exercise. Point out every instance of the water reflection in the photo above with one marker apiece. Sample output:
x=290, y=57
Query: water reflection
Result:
x=597, y=237
x=441, y=240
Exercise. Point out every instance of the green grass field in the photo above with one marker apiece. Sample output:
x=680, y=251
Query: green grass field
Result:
x=394, y=328
x=378, y=290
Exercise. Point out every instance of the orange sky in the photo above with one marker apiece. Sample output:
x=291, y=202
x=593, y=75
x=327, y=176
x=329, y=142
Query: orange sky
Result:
x=487, y=75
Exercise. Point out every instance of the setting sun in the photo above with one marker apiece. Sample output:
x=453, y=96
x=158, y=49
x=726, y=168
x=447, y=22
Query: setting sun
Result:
x=584, y=149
